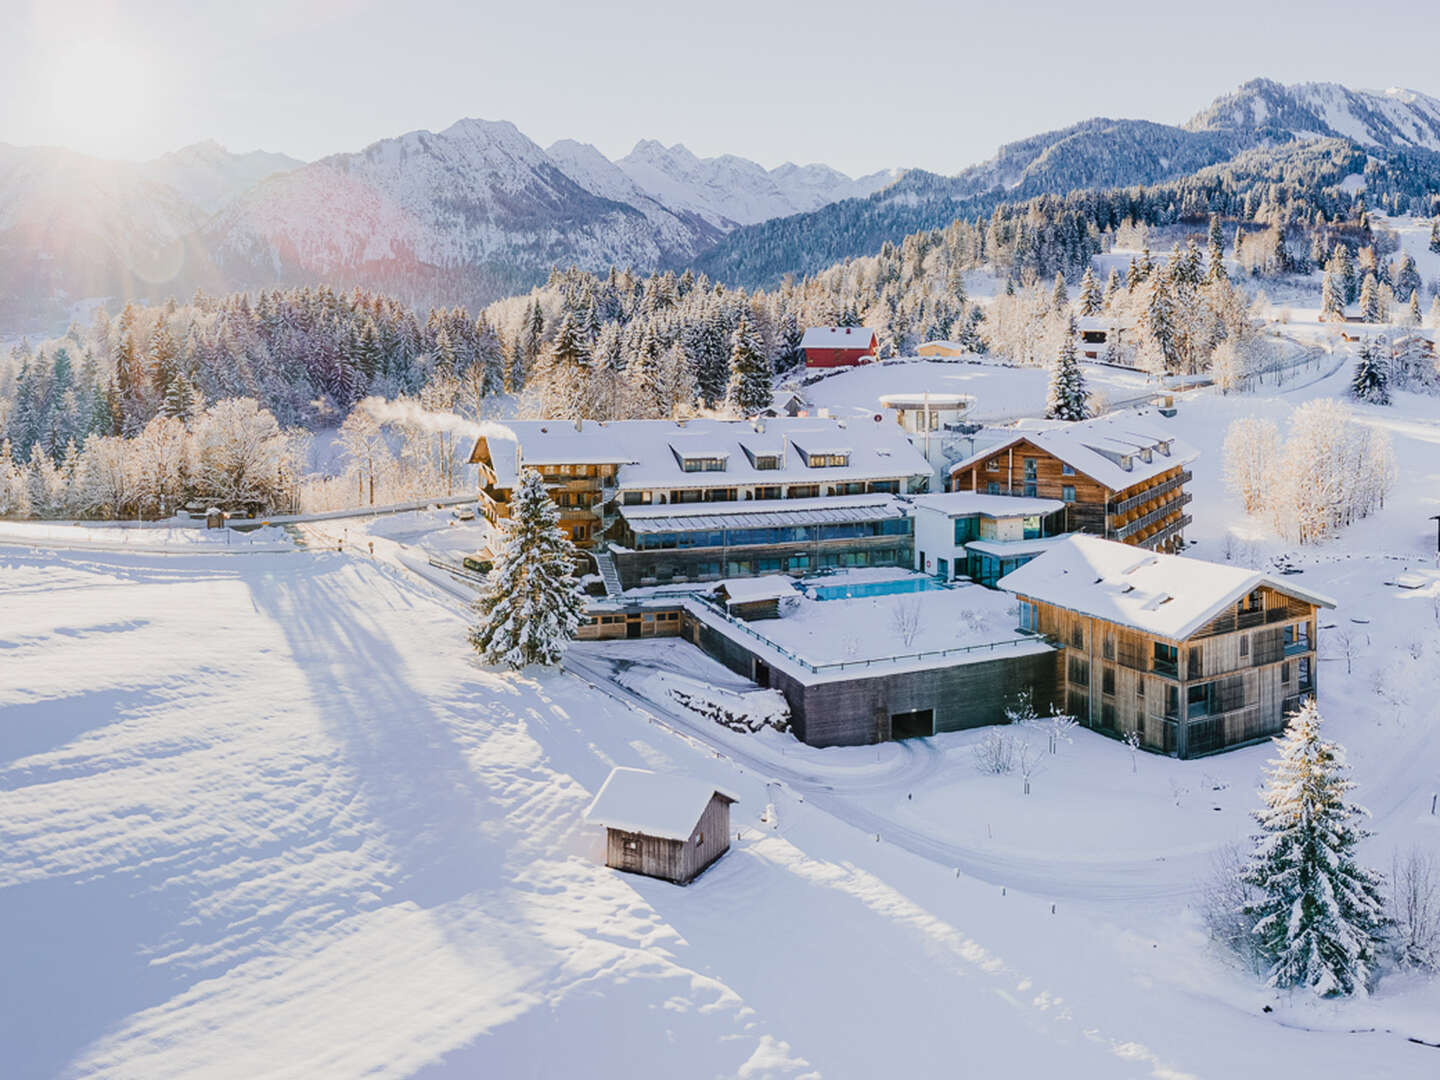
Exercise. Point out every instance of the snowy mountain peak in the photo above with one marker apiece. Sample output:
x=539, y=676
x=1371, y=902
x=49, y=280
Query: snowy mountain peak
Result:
x=1394, y=119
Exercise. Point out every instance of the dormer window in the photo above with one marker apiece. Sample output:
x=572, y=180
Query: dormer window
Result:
x=702, y=464
x=828, y=459
x=767, y=461
x=1127, y=462
x=1145, y=454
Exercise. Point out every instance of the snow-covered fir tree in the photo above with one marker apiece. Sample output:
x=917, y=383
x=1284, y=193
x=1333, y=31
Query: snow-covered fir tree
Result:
x=1320, y=915
x=750, y=376
x=1066, y=399
x=534, y=603
x=1216, y=251
x=1370, y=307
x=1371, y=381
x=1090, y=296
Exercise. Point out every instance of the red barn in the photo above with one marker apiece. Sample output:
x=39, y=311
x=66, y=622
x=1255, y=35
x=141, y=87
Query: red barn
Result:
x=838, y=346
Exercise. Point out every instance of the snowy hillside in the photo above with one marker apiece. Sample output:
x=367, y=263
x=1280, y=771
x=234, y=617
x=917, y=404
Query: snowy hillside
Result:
x=285, y=797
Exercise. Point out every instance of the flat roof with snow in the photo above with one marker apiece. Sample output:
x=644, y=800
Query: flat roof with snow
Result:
x=656, y=804
x=754, y=590
x=1169, y=596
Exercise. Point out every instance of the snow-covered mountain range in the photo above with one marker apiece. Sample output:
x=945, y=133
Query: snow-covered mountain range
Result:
x=1094, y=154
x=463, y=215
x=480, y=210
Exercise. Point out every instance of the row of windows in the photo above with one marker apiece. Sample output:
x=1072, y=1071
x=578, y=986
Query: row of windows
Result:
x=793, y=534
x=796, y=564
x=1067, y=491
x=768, y=491
x=1031, y=467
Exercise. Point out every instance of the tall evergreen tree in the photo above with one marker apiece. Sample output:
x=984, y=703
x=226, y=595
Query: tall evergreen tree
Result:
x=1060, y=295
x=1112, y=288
x=1435, y=236
x=1216, y=252
x=1332, y=294
x=534, y=604
x=1066, y=399
x=1370, y=299
x=750, y=388
x=1319, y=915
x=1371, y=381
x=1090, y=297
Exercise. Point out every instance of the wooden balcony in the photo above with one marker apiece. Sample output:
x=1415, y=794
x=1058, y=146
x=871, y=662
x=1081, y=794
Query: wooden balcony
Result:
x=1152, y=493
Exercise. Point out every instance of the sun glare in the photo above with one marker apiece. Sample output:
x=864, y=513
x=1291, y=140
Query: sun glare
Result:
x=97, y=95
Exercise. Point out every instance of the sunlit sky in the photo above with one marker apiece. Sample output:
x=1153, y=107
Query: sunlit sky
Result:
x=861, y=86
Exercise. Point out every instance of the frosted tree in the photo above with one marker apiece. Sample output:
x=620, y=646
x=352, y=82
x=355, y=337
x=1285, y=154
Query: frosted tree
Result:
x=1066, y=399
x=1252, y=448
x=1319, y=915
x=369, y=452
x=14, y=489
x=240, y=454
x=1371, y=380
x=534, y=604
x=1112, y=289
x=1160, y=334
x=750, y=377
x=1435, y=236
x=1370, y=306
x=1216, y=252
x=1332, y=472
x=1060, y=293
x=106, y=481
x=162, y=459
x=1090, y=296
x=1332, y=295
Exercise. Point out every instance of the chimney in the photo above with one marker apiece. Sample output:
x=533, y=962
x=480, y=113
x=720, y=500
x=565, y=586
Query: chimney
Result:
x=579, y=424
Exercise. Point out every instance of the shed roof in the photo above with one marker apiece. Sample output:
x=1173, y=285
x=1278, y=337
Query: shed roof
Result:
x=753, y=590
x=837, y=337
x=1169, y=596
x=1099, y=448
x=656, y=804
x=978, y=503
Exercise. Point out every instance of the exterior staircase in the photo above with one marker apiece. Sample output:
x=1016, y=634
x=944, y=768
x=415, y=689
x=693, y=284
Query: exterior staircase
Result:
x=608, y=574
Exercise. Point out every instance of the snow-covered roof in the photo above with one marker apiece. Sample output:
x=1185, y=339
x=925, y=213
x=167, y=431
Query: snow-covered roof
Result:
x=976, y=503
x=921, y=399
x=941, y=343
x=753, y=590
x=761, y=514
x=649, y=452
x=656, y=804
x=837, y=337
x=1169, y=596
x=1008, y=549
x=1100, y=449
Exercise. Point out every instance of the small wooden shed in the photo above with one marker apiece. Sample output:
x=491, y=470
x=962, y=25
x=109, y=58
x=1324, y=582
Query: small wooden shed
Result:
x=755, y=598
x=661, y=825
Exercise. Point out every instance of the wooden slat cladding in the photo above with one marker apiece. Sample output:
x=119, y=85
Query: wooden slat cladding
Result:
x=1119, y=680
x=1092, y=509
x=680, y=861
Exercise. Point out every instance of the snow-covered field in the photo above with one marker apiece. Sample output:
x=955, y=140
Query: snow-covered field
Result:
x=268, y=816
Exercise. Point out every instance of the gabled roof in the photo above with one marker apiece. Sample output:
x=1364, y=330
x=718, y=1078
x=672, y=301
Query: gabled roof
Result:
x=650, y=452
x=977, y=503
x=837, y=337
x=1169, y=596
x=1099, y=448
x=656, y=804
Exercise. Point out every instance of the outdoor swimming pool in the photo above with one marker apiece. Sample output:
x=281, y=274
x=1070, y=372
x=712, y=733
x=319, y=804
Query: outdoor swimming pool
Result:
x=874, y=588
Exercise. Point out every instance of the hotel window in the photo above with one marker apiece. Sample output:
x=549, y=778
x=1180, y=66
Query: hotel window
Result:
x=1028, y=620
x=993, y=465
x=1107, y=680
x=767, y=461
x=1067, y=469
x=828, y=461
x=1067, y=494
x=1077, y=637
x=992, y=488
x=704, y=464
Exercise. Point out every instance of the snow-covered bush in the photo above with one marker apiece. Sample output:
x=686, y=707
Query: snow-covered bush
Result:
x=1224, y=897
x=906, y=619
x=750, y=712
x=997, y=753
x=1415, y=909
